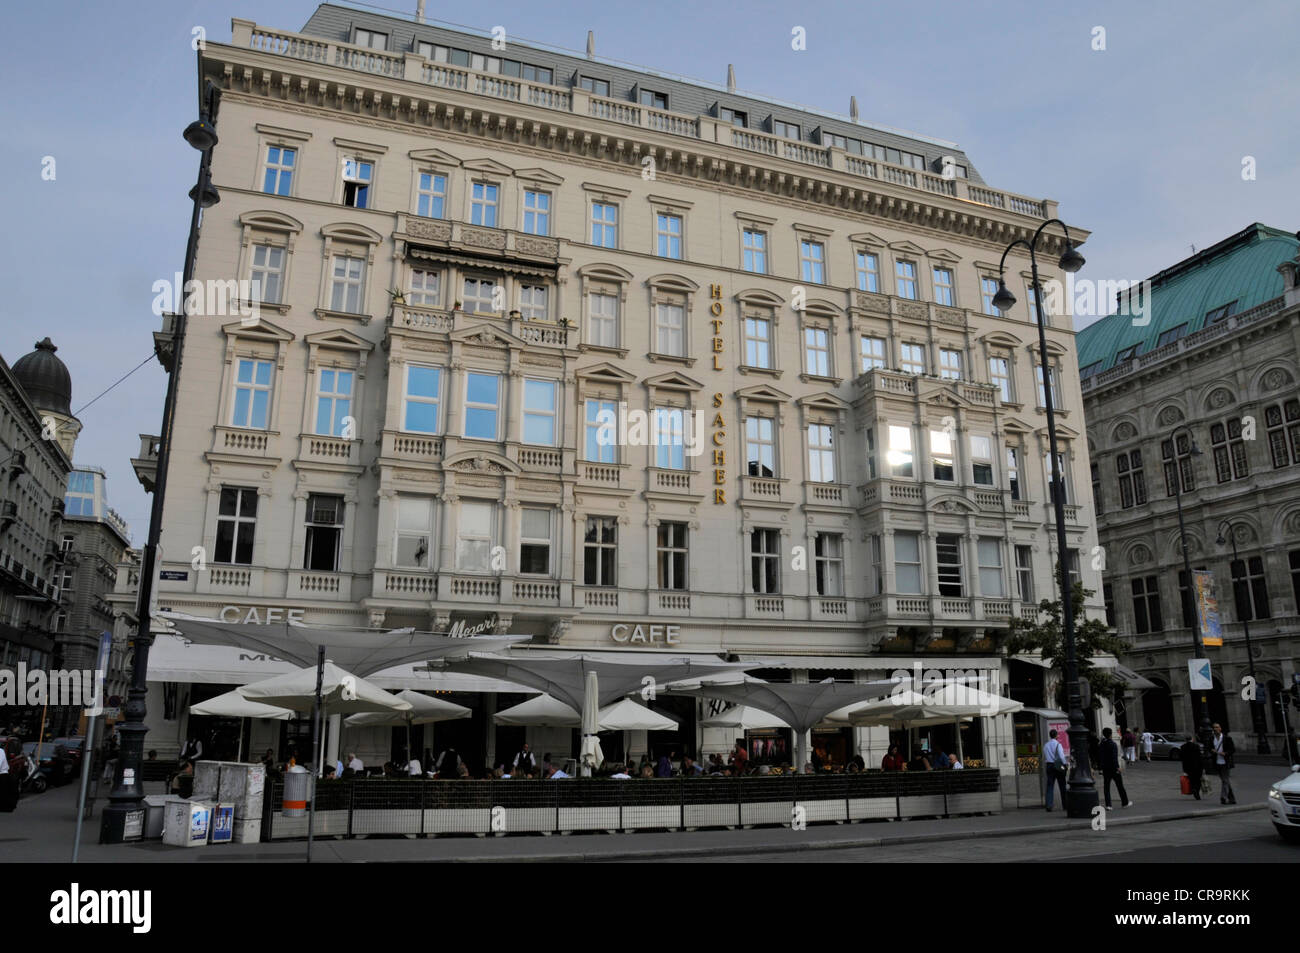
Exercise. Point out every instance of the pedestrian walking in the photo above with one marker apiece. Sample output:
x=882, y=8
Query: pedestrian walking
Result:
x=1223, y=749
x=10, y=783
x=1147, y=741
x=1130, y=746
x=1193, y=765
x=1054, y=764
x=1112, y=770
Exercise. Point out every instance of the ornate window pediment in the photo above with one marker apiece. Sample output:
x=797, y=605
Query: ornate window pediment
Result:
x=485, y=335
x=488, y=167
x=433, y=157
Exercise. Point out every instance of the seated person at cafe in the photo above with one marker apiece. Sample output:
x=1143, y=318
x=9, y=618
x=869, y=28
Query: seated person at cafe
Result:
x=893, y=760
x=940, y=760
x=919, y=761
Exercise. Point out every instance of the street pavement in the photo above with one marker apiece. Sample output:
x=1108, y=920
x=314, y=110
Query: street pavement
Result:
x=1161, y=823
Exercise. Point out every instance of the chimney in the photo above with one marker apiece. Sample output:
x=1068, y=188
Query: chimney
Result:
x=591, y=44
x=853, y=108
x=419, y=11
x=731, y=78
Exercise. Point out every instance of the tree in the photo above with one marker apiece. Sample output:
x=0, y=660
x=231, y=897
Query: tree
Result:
x=1091, y=638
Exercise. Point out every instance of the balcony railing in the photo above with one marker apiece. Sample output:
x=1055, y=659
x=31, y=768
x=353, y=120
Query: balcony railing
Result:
x=322, y=448
x=246, y=443
x=601, y=474
x=421, y=448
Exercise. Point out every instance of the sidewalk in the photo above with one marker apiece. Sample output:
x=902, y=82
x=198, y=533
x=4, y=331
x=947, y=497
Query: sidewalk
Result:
x=42, y=827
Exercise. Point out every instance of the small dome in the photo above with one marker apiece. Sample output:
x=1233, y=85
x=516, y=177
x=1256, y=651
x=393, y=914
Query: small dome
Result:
x=45, y=378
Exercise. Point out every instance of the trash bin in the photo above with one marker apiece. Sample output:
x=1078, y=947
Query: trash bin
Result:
x=223, y=823
x=187, y=823
x=155, y=812
x=297, y=791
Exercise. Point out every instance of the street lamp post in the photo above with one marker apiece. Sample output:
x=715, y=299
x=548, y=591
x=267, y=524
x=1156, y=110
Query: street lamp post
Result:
x=1256, y=709
x=1081, y=788
x=1202, y=723
x=125, y=797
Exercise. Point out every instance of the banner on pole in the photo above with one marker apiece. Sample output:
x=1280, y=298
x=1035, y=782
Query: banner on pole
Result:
x=1208, y=607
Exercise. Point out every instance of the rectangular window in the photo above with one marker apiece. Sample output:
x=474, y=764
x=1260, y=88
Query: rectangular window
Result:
x=990, y=556
x=475, y=536
x=905, y=278
x=357, y=176
x=873, y=353
x=943, y=292
x=1055, y=378
x=907, y=563
x=431, y=195
x=1293, y=559
x=1090, y=370
x=758, y=342
x=532, y=302
x=941, y=455
x=252, y=402
x=947, y=561
x=482, y=403
x=537, y=212
x=949, y=364
x=868, y=268
x=483, y=204
x=602, y=320
x=1172, y=335
x=1108, y=597
x=1096, y=486
x=600, y=551
x=278, y=179
x=821, y=454
x=540, y=412
x=1013, y=472
x=670, y=446
x=1250, y=589
x=670, y=547
x=981, y=460
x=534, y=541
x=1230, y=461
x=334, y=402
x=1025, y=574
x=267, y=275
x=599, y=87
x=670, y=327
x=817, y=351
x=765, y=561
x=372, y=40
x=414, y=532
x=1283, y=434
x=828, y=549
x=668, y=235
x=1132, y=483
x=601, y=426
x=604, y=225
x=1127, y=354
x=654, y=100
x=479, y=296
x=1064, y=474
x=754, y=251
x=760, y=446
x=871, y=453
x=236, y=525
x=912, y=358
x=1177, y=456
x=324, y=533
x=788, y=129
x=1000, y=377
x=347, y=283
x=733, y=116
x=812, y=261
x=420, y=402
x=1146, y=605
x=876, y=584
x=1072, y=568
x=989, y=289
x=899, y=457
x=426, y=288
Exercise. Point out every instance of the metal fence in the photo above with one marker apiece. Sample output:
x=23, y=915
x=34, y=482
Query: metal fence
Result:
x=362, y=807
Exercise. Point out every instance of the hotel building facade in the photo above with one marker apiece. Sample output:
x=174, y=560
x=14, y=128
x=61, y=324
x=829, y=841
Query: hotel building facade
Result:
x=507, y=295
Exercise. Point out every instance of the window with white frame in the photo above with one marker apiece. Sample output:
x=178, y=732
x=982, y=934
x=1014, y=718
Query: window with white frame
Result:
x=532, y=302
x=266, y=277
x=540, y=398
x=941, y=455
x=482, y=405
x=479, y=296
x=602, y=319
x=989, y=290
x=668, y=235
x=347, y=283
x=758, y=341
x=421, y=398
x=1013, y=472
x=601, y=431
x=535, y=541
x=912, y=358
x=1067, y=496
x=905, y=278
x=907, y=563
x=324, y=533
x=948, y=565
x=817, y=351
x=483, y=204
x=821, y=453
x=475, y=535
x=670, y=445
x=1025, y=574
x=981, y=460
x=670, y=329
x=653, y=99
x=371, y=40
x=431, y=195
x=236, y=525
x=789, y=130
x=600, y=551
x=598, y=87
x=414, y=532
x=990, y=568
x=812, y=261
x=604, y=224
x=671, y=553
x=760, y=446
x=900, y=455
x=871, y=453
x=876, y=583
x=765, y=561
x=828, y=556
x=425, y=288
x=949, y=364
x=873, y=353
x=358, y=174
x=537, y=212
x=1055, y=378
x=277, y=178
x=754, y=251
x=1000, y=377
x=943, y=288
x=868, y=269
x=252, y=404
x=333, y=401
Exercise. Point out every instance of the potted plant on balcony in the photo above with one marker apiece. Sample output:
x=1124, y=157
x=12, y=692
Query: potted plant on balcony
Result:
x=398, y=295
x=566, y=324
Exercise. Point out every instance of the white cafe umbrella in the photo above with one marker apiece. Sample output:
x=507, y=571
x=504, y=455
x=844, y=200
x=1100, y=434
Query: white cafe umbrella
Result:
x=937, y=702
x=540, y=712
x=234, y=705
x=424, y=711
x=591, y=755
x=627, y=715
x=744, y=718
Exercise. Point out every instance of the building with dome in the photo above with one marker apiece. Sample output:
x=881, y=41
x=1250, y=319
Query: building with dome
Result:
x=1217, y=363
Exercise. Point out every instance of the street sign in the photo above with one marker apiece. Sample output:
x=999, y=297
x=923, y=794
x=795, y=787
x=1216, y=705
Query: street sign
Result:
x=1208, y=603
x=1198, y=674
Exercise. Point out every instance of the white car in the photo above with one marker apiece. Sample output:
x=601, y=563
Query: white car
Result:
x=1284, y=805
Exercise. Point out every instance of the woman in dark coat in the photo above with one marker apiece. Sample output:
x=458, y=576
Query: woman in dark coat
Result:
x=1193, y=766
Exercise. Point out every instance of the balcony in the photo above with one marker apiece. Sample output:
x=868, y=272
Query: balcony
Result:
x=762, y=489
x=428, y=237
x=399, y=584
x=253, y=444
x=236, y=580
x=411, y=447
x=606, y=475
x=539, y=459
x=598, y=598
x=770, y=606
x=437, y=321
x=677, y=482
x=146, y=464
x=333, y=586
x=671, y=602
x=320, y=448
x=826, y=494
x=828, y=609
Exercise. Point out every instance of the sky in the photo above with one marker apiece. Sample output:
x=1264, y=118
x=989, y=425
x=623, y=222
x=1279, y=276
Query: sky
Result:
x=1142, y=143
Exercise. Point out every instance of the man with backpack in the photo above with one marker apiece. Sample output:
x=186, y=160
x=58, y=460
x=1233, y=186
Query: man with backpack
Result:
x=1111, y=769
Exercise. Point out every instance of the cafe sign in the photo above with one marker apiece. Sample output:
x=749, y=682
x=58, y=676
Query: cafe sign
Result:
x=256, y=616
x=645, y=633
